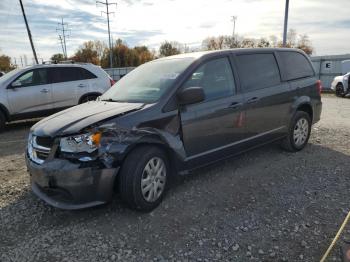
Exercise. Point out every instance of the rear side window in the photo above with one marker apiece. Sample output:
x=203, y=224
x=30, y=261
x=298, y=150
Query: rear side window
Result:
x=68, y=74
x=215, y=77
x=295, y=65
x=257, y=71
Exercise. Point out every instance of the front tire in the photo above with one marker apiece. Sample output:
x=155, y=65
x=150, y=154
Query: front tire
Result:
x=88, y=98
x=299, y=132
x=143, y=178
x=2, y=122
x=339, y=90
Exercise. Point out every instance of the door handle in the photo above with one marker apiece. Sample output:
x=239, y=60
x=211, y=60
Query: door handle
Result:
x=235, y=105
x=81, y=85
x=44, y=90
x=252, y=100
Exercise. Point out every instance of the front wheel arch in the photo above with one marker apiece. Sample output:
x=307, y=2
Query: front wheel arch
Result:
x=339, y=89
x=83, y=97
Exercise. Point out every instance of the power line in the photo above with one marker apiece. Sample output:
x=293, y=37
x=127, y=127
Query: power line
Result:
x=62, y=29
x=28, y=31
x=109, y=31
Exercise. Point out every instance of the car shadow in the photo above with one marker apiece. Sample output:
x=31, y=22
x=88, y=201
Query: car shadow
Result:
x=21, y=124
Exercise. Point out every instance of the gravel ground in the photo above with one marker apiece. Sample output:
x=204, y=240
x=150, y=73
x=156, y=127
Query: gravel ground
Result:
x=264, y=205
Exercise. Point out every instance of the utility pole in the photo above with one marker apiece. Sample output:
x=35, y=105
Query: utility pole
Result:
x=61, y=40
x=285, y=23
x=28, y=31
x=63, y=28
x=109, y=31
x=234, y=18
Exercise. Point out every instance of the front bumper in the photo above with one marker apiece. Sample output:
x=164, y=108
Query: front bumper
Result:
x=66, y=185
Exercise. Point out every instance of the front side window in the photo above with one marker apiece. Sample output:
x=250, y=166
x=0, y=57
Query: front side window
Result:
x=215, y=77
x=257, y=71
x=148, y=82
x=31, y=78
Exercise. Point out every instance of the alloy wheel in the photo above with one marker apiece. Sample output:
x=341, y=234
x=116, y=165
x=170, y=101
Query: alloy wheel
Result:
x=153, y=179
x=301, y=131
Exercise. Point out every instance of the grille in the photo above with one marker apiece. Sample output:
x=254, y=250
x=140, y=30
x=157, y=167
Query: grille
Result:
x=44, y=141
x=39, y=148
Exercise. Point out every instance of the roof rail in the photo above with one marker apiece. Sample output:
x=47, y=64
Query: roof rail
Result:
x=50, y=62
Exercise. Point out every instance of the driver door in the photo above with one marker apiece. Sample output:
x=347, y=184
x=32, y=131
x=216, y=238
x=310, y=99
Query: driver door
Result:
x=30, y=93
x=214, y=124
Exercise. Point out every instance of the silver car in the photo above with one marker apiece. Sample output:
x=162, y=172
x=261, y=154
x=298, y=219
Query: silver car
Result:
x=41, y=90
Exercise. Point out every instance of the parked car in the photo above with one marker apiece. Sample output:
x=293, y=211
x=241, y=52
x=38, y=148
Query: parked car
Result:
x=341, y=85
x=41, y=90
x=168, y=117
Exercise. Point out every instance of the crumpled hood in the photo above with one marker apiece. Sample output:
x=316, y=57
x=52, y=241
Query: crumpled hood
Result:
x=74, y=119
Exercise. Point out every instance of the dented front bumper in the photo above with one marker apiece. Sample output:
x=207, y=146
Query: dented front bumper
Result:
x=66, y=185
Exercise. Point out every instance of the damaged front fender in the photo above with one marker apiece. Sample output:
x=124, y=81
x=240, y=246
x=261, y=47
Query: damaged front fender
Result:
x=116, y=141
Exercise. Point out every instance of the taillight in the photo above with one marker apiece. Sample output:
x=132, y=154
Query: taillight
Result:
x=319, y=86
x=112, y=81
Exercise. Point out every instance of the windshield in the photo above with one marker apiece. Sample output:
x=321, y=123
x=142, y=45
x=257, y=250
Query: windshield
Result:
x=148, y=82
x=9, y=74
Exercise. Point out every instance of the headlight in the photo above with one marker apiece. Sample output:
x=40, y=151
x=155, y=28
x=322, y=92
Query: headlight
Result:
x=81, y=143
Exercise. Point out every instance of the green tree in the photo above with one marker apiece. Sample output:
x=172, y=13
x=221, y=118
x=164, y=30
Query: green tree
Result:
x=87, y=53
x=124, y=56
x=5, y=63
x=169, y=48
x=57, y=57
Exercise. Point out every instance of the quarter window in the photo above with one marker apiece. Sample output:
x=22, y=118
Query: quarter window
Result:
x=215, y=77
x=295, y=65
x=257, y=71
x=31, y=78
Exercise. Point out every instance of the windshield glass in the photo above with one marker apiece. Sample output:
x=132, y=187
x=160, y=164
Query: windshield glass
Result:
x=148, y=82
x=9, y=74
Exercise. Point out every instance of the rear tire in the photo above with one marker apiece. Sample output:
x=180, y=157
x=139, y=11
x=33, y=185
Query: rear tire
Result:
x=298, y=133
x=143, y=178
x=2, y=122
x=339, y=90
x=88, y=98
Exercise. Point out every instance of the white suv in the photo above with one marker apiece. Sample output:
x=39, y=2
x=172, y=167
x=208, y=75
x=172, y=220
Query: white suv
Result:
x=41, y=90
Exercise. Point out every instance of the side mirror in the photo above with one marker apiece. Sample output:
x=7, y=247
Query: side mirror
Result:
x=15, y=84
x=190, y=95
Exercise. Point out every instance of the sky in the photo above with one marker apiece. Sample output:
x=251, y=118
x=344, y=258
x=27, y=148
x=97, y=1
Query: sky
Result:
x=150, y=22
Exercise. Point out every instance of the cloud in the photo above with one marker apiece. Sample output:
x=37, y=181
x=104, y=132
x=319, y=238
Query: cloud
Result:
x=150, y=22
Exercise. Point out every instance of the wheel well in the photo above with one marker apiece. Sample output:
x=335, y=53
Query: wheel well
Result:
x=88, y=94
x=339, y=83
x=307, y=109
x=161, y=146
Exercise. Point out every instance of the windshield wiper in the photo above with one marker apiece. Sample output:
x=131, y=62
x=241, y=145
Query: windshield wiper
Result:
x=112, y=100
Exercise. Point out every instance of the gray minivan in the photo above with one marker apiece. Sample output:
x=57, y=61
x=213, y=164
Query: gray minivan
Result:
x=170, y=116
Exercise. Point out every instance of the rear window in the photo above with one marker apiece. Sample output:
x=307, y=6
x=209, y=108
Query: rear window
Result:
x=257, y=71
x=295, y=65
